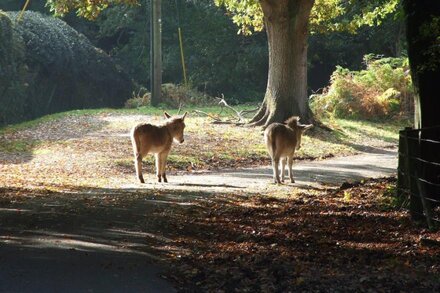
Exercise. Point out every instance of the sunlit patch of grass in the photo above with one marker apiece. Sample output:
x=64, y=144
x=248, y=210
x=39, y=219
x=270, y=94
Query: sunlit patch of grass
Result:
x=350, y=137
x=41, y=151
x=358, y=129
x=18, y=146
x=52, y=117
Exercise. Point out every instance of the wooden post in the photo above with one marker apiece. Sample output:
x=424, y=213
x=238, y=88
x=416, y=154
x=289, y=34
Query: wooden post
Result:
x=427, y=211
x=415, y=207
x=401, y=170
x=156, y=52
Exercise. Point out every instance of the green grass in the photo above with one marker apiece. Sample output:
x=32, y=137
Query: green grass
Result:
x=387, y=131
x=390, y=200
x=145, y=110
x=19, y=146
x=51, y=117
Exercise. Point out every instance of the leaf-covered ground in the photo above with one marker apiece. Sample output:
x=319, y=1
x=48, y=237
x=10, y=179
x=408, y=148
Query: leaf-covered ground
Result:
x=338, y=240
x=92, y=148
x=314, y=242
x=62, y=185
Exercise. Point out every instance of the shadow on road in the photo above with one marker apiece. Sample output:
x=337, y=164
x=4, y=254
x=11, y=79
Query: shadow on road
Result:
x=110, y=240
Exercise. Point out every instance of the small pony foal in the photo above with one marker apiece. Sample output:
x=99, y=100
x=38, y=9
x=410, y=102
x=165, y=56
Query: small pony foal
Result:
x=156, y=139
x=282, y=140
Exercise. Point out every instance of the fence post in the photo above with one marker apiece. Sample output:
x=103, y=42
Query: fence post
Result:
x=401, y=171
x=415, y=206
x=427, y=211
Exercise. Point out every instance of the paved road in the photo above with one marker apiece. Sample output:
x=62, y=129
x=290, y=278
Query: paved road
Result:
x=52, y=269
x=316, y=174
x=64, y=245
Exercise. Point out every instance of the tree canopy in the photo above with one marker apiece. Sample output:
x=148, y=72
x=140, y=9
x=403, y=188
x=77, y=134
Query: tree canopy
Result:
x=326, y=15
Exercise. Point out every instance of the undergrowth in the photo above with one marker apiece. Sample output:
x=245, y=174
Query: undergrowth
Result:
x=173, y=96
x=382, y=91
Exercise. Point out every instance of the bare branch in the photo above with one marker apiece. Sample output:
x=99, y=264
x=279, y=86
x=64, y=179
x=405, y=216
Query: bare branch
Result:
x=223, y=103
x=207, y=114
x=244, y=112
x=229, y=122
x=180, y=107
x=238, y=118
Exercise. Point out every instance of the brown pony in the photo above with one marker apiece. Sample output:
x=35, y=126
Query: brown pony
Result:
x=156, y=139
x=282, y=140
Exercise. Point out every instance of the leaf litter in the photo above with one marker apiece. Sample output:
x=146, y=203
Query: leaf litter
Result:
x=350, y=239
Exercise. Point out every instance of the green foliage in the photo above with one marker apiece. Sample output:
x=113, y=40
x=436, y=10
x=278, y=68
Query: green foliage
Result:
x=431, y=27
x=14, y=5
x=329, y=15
x=374, y=93
x=217, y=59
x=46, y=66
x=12, y=73
x=391, y=200
x=85, y=8
x=246, y=14
x=326, y=15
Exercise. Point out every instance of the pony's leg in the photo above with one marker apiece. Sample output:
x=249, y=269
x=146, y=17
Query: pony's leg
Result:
x=158, y=167
x=275, y=167
x=163, y=160
x=290, y=162
x=283, y=166
x=138, y=166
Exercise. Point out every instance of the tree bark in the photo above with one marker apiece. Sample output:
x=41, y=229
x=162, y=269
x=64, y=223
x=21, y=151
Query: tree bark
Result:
x=424, y=58
x=286, y=23
x=423, y=31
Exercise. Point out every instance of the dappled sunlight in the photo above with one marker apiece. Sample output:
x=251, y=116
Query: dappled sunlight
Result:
x=15, y=210
x=96, y=151
x=139, y=234
x=116, y=241
x=378, y=246
x=198, y=232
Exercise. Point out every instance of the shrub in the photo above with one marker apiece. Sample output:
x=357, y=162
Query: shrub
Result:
x=12, y=73
x=173, y=96
x=383, y=89
x=46, y=67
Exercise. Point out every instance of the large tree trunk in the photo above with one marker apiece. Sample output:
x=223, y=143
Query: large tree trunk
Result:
x=286, y=23
x=424, y=57
x=423, y=33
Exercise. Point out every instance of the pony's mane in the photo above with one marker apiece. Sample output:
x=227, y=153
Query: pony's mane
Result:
x=292, y=121
x=171, y=120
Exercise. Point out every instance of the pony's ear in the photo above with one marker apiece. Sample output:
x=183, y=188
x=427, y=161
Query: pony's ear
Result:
x=184, y=115
x=166, y=115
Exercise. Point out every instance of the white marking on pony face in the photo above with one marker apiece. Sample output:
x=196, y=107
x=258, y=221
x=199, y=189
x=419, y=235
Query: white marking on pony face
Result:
x=177, y=129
